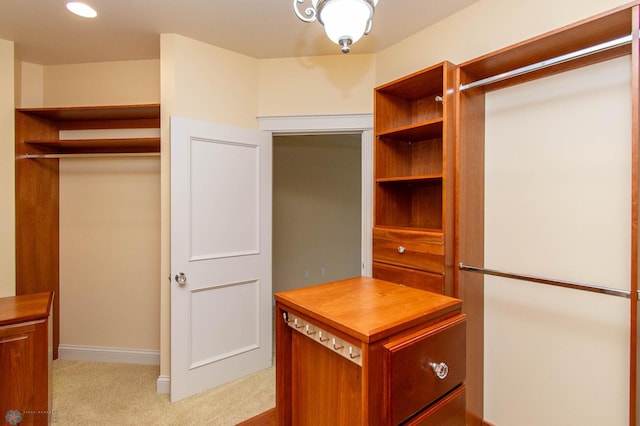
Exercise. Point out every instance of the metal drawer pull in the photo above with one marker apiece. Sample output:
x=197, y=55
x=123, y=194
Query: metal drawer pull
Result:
x=401, y=249
x=351, y=355
x=441, y=369
x=337, y=348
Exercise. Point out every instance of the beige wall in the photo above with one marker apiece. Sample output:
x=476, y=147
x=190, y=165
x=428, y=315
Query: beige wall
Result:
x=210, y=83
x=7, y=171
x=109, y=213
x=110, y=253
x=29, y=83
x=317, y=85
x=481, y=28
x=102, y=83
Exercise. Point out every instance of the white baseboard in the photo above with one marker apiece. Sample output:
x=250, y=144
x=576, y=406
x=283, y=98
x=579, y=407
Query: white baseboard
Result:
x=101, y=354
x=163, y=384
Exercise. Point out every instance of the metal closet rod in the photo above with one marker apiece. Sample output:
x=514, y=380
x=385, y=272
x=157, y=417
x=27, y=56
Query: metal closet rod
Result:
x=95, y=155
x=549, y=62
x=557, y=283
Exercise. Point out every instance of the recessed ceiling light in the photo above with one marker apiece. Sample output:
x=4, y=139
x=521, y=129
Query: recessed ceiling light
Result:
x=81, y=9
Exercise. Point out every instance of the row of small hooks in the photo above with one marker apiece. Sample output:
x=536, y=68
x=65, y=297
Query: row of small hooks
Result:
x=330, y=341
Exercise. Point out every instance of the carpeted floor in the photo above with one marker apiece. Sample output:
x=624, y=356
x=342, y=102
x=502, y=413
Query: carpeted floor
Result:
x=96, y=393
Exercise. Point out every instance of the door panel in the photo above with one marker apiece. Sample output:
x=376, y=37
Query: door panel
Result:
x=236, y=228
x=241, y=330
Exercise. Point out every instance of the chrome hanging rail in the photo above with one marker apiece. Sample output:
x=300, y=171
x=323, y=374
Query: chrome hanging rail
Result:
x=549, y=62
x=557, y=283
x=94, y=155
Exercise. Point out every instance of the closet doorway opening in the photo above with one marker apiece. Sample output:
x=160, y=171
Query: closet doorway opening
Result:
x=317, y=209
x=358, y=126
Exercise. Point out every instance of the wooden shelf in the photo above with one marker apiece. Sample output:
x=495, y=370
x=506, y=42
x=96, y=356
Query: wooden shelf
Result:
x=414, y=132
x=418, y=85
x=96, y=146
x=409, y=179
x=114, y=112
x=410, y=227
x=88, y=118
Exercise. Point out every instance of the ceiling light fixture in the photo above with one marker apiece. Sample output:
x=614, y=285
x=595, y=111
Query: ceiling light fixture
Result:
x=81, y=9
x=344, y=21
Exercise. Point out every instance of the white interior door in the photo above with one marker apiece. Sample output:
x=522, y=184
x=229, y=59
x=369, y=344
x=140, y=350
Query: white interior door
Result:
x=221, y=245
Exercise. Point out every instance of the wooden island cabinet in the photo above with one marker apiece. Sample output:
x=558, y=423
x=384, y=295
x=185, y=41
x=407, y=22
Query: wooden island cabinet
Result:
x=26, y=352
x=364, y=351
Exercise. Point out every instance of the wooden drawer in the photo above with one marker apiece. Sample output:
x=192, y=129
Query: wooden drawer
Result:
x=413, y=249
x=409, y=277
x=411, y=379
x=450, y=410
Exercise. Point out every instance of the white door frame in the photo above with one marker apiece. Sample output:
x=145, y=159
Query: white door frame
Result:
x=345, y=123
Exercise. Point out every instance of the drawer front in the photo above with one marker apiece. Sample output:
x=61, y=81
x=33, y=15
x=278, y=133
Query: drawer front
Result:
x=413, y=249
x=409, y=277
x=448, y=411
x=413, y=363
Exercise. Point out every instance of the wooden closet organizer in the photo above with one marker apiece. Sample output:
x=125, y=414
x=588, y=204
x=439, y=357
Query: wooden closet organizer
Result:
x=470, y=120
x=414, y=176
x=38, y=145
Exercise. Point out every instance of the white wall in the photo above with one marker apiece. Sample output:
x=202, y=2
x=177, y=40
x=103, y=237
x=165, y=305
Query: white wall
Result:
x=558, y=205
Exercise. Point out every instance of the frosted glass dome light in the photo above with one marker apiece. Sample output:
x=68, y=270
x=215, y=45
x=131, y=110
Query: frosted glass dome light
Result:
x=344, y=21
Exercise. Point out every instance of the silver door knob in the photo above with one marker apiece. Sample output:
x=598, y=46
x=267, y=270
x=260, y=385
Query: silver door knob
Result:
x=441, y=369
x=181, y=278
x=401, y=249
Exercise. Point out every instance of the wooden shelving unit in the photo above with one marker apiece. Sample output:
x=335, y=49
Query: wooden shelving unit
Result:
x=90, y=118
x=470, y=131
x=414, y=158
x=38, y=144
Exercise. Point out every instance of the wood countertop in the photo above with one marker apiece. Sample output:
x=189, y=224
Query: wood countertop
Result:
x=27, y=307
x=366, y=308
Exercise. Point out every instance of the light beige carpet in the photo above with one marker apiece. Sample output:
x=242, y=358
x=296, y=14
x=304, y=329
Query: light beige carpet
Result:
x=96, y=393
